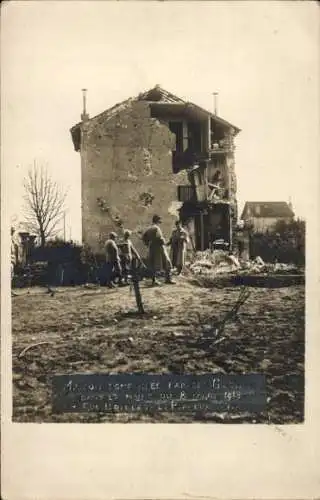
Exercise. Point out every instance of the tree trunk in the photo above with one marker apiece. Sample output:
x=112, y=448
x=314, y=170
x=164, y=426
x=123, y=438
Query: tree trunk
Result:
x=42, y=238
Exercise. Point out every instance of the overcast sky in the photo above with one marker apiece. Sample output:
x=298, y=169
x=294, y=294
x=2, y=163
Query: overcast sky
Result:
x=262, y=58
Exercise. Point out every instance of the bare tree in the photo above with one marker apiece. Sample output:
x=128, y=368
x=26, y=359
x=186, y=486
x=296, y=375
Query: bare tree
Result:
x=43, y=203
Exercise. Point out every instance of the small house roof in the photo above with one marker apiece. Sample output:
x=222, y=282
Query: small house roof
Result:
x=267, y=209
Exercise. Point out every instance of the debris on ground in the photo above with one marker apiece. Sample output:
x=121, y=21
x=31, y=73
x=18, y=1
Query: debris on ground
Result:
x=218, y=262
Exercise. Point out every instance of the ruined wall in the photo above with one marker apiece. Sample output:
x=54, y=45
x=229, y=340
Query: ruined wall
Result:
x=225, y=164
x=230, y=160
x=126, y=174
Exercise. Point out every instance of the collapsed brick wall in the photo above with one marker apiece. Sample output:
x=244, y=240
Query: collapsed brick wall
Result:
x=230, y=161
x=226, y=165
x=126, y=175
x=232, y=193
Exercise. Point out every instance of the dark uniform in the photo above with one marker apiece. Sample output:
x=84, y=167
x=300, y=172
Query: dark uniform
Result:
x=128, y=253
x=113, y=265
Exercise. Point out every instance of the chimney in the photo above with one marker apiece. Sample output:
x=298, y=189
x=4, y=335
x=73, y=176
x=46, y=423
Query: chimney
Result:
x=84, y=115
x=215, y=100
x=290, y=203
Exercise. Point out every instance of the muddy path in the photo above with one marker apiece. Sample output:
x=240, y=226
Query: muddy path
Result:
x=94, y=330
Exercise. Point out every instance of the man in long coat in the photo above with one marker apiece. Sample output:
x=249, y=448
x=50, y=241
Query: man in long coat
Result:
x=178, y=241
x=158, y=257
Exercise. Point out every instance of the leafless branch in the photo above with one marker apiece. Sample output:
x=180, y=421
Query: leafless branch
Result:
x=44, y=203
x=22, y=353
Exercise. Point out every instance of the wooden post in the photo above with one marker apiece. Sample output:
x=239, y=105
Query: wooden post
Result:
x=205, y=178
x=136, y=288
x=202, y=231
x=61, y=275
x=209, y=133
x=184, y=135
x=230, y=227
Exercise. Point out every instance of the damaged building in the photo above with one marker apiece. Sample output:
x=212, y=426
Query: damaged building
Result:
x=157, y=153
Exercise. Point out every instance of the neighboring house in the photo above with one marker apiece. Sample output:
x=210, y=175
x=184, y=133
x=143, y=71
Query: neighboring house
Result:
x=156, y=154
x=263, y=215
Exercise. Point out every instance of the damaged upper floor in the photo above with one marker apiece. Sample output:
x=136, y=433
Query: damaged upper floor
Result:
x=199, y=134
x=201, y=143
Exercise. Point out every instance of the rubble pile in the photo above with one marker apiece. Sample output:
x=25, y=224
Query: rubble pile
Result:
x=214, y=262
x=218, y=262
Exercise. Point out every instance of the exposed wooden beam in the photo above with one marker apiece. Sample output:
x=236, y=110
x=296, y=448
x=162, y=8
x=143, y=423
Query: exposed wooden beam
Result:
x=202, y=231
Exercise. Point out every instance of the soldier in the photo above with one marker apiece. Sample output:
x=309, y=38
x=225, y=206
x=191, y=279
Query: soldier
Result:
x=128, y=253
x=178, y=241
x=113, y=265
x=158, y=256
x=14, y=254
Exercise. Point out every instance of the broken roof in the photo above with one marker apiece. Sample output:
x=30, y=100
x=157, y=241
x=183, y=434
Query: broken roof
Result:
x=267, y=209
x=157, y=95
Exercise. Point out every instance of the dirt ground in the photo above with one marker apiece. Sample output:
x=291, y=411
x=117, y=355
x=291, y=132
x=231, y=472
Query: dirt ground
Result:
x=92, y=330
